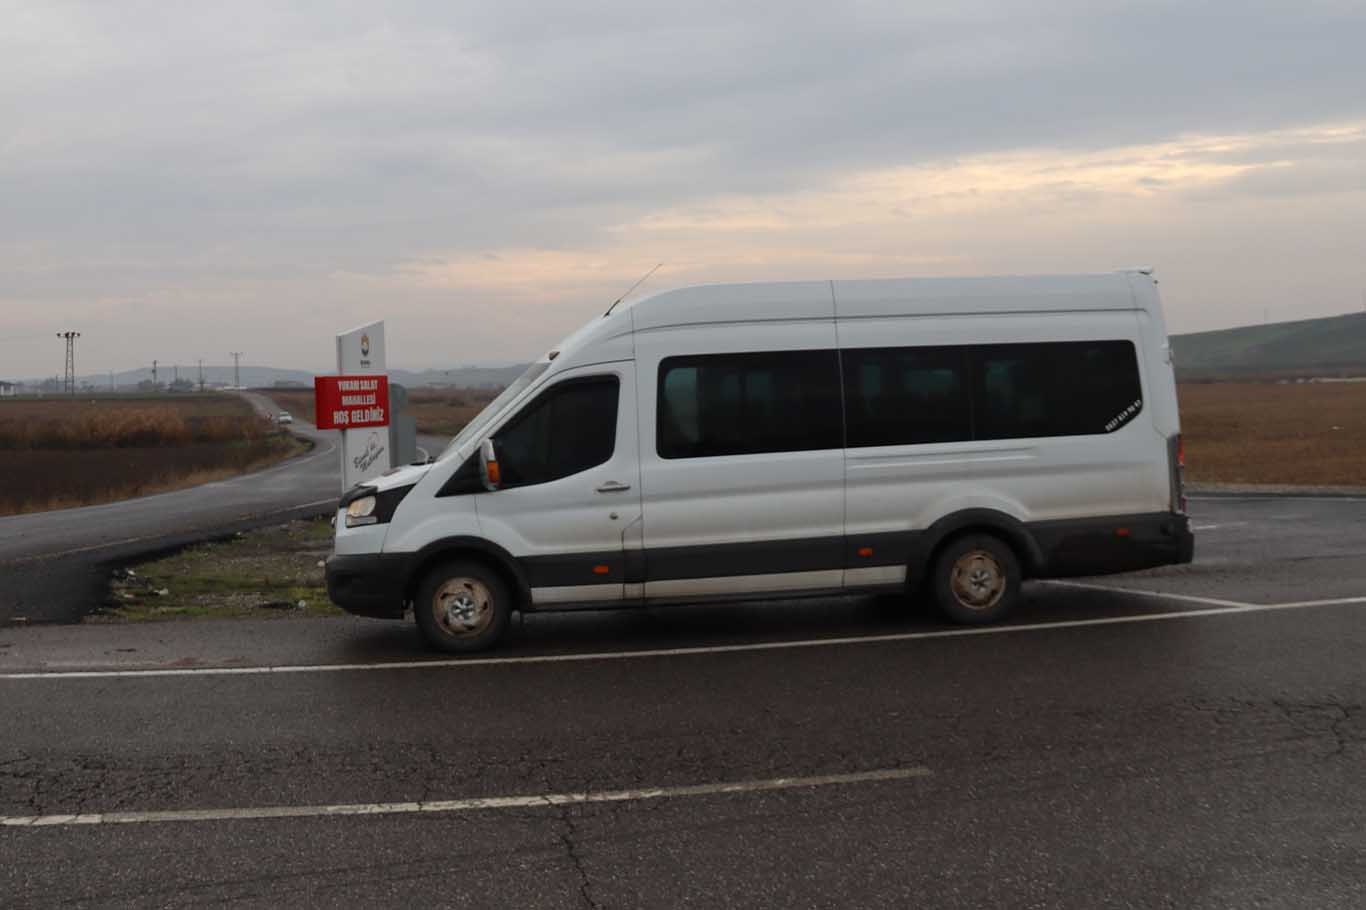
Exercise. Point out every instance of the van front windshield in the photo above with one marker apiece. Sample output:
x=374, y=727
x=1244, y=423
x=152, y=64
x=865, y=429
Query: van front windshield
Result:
x=482, y=419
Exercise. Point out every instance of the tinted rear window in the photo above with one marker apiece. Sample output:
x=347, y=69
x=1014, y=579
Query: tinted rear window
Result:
x=1054, y=389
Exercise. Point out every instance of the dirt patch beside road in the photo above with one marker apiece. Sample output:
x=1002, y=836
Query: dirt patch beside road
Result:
x=272, y=572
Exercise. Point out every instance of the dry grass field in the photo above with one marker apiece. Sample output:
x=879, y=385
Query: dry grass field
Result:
x=1269, y=433
x=59, y=452
x=1237, y=432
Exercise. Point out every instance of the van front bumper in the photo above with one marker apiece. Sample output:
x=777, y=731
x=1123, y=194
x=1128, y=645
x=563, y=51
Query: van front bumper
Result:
x=368, y=584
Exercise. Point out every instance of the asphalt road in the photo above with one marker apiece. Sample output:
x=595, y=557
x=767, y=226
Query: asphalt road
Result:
x=55, y=563
x=1196, y=739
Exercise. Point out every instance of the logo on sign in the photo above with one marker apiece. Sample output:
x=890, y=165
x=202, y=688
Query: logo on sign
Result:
x=373, y=450
x=365, y=350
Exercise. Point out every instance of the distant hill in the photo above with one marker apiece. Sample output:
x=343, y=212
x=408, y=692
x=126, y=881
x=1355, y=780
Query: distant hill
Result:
x=1330, y=346
x=465, y=377
x=263, y=377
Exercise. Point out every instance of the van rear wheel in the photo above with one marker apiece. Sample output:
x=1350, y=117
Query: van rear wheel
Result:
x=461, y=607
x=976, y=579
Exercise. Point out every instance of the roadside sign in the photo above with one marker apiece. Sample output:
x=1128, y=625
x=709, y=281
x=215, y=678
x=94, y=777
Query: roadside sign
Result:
x=346, y=402
x=365, y=448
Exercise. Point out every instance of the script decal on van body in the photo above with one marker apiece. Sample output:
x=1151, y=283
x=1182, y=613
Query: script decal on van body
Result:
x=1123, y=416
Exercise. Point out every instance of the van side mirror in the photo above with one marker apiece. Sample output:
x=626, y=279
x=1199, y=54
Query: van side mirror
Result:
x=488, y=466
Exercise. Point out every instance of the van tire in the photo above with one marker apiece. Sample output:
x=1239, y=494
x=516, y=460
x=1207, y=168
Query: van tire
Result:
x=976, y=579
x=462, y=606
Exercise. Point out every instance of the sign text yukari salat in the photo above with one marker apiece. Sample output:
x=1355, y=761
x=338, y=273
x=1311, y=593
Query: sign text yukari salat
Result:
x=349, y=402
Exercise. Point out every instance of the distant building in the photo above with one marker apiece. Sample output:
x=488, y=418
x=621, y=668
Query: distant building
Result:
x=8, y=389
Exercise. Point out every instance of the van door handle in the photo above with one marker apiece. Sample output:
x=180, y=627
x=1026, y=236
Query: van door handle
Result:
x=612, y=486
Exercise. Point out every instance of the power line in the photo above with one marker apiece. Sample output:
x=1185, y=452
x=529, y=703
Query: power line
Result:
x=20, y=339
x=69, y=385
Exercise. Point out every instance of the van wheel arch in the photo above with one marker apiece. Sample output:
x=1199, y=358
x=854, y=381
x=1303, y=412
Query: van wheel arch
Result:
x=472, y=549
x=943, y=532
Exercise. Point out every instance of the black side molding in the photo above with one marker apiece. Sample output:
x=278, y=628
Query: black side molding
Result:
x=452, y=547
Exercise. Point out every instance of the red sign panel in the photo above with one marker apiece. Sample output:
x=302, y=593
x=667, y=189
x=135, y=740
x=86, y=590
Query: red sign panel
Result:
x=347, y=402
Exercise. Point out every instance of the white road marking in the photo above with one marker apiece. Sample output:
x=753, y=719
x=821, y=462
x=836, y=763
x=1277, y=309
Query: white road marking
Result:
x=1139, y=592
x=1226, y=608
x=1332, y=602
x=1276, y=497
x=1222, y=524
x=465, y=805
x=1162, y=595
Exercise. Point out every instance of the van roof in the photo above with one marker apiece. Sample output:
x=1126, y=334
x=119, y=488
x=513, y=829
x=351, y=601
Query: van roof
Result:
x=788, y=300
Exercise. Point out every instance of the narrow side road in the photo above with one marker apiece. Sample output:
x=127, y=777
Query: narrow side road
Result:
x=54, y=563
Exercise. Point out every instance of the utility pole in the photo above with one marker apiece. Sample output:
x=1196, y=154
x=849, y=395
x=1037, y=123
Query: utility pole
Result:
x=154, y=373
x=236, y=373
x=69, y=385
x=201, y=374
x=111, y=380
x=176, y=367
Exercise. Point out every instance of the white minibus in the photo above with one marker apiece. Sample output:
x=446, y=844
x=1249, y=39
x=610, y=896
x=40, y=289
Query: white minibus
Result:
x=946, y=437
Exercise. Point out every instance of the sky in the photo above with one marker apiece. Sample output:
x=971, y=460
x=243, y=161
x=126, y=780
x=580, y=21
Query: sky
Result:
x=183, y=179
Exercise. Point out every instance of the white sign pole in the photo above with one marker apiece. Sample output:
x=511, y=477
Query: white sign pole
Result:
x=364, y=451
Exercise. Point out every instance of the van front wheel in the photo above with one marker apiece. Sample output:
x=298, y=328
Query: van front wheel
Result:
x=976, y=579
x=462, y=607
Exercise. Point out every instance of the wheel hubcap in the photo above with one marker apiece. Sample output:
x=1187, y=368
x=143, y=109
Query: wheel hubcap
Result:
x=977, y=580
x=463, y=607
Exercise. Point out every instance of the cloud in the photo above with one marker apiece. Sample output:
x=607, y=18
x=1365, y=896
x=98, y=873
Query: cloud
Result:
x=925, y=217
x=302, y=165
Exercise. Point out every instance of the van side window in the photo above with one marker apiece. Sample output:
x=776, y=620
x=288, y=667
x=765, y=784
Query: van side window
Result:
x=910, y=396
x=741, y=404
x=905, y=396
x=569, y=428
x=1073, y=388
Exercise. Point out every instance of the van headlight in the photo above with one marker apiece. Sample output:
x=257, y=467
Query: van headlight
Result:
x=364, y=506
x=362, y=512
